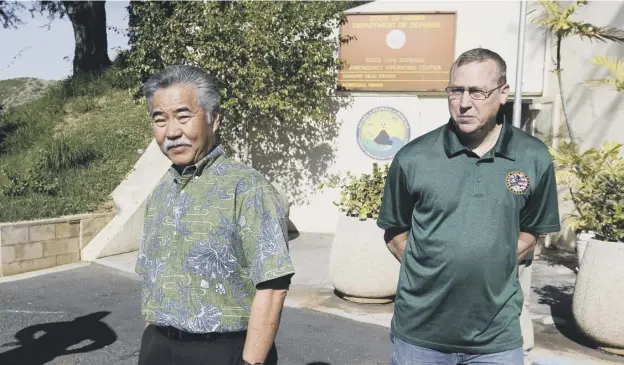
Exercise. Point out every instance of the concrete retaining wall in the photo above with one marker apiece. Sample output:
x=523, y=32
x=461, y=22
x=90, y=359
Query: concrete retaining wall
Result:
x=123, y=233
x=41, y=244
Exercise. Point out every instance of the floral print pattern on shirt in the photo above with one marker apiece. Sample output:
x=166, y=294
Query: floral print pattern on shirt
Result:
x=211, y=234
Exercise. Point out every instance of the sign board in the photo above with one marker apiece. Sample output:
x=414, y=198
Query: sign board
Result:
x=397, y=51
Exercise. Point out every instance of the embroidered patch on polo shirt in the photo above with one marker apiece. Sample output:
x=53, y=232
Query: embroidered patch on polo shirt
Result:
x=517, y=182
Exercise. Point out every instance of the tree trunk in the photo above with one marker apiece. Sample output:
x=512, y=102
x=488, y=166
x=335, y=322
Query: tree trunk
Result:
x=561, y=94
x=91, y=46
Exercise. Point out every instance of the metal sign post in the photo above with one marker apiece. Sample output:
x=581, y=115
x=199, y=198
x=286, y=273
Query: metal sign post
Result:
x=517, y=108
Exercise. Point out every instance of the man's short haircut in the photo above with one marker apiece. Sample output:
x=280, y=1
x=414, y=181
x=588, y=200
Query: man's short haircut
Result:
x=482, y=55
x=207, y=91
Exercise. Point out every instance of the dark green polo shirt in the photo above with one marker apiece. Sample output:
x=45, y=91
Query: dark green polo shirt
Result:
x=458, y=286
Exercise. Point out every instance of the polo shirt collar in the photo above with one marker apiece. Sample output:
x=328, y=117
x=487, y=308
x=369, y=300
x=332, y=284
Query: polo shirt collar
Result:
x=197, y=168
x=503, y=147
x=505, y=144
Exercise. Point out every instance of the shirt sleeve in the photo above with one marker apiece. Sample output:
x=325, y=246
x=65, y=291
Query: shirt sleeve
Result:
x=541, y=213
x=264, y=234
x=396, y=204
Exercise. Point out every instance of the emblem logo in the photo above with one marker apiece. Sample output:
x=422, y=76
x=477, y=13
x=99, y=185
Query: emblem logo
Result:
x=382, y=132
x=395, y=39
x=517, y=182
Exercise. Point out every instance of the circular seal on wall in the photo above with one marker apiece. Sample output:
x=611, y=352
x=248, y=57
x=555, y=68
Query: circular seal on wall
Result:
x=395, y=39
x=382, y=132
x=517, y=182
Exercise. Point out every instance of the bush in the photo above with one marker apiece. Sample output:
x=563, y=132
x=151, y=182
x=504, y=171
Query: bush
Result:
x=361, y=196
x=64, y=153
x=595, y=179
x=31, y=183
x=605, y=203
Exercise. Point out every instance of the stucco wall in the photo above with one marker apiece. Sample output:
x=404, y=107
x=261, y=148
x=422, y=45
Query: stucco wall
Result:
x=595, y=113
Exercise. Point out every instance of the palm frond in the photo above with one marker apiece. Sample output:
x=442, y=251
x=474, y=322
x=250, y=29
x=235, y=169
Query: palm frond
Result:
x=603, y=34
x=572, y=9
x=549, y=15
x=556, y=21
x=615, y=68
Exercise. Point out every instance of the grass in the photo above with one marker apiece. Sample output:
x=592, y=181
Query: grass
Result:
x=19, y=91
x=65, y=152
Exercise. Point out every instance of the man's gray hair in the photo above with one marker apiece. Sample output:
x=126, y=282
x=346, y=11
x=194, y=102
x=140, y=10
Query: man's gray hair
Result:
x=482, y=55
x=207, y=91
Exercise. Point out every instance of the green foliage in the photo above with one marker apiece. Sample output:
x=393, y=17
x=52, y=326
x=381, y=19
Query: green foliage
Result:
x=558, y=23
x=273, y=61
x=64, y=153
x=60, y=157
x=31, y=182
x=614, y=67
x=361, y=196
x=8, y=13
x=595, y=179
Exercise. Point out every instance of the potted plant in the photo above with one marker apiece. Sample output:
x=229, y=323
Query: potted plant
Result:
x=361, y=268
x=597, y=186
x=579, y=171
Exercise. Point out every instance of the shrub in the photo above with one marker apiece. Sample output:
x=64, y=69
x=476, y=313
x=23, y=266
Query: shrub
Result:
x=32, y=182
x=64, y=153
x=361, y=196
x=595, y=179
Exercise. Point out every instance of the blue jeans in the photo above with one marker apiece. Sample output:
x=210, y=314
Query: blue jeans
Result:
x=406, y=354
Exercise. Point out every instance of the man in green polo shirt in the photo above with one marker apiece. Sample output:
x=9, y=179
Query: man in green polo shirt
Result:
x=462, y=206
x=214, y=256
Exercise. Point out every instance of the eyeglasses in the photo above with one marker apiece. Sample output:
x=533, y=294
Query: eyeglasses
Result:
x=474, y=92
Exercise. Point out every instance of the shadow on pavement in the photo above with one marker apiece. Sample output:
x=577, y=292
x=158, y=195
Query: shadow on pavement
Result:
x=554, y=257
x=559, y=299
x=58, y=339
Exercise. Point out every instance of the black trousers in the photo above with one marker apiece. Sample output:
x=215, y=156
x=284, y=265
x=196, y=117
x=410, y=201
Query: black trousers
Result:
x=157, y=348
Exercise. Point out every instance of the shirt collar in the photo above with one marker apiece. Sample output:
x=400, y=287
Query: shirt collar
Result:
x=503, y=147
x=505, y=144
x=197, y=168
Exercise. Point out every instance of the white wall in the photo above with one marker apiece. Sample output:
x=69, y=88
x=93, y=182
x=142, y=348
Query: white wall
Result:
x=492, y=25
x=596, y=113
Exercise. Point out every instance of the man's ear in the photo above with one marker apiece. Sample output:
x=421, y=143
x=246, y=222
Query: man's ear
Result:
x=216, y=122
x=504, y=94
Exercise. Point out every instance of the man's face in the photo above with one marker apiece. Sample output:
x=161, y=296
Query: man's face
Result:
x=180, y=125
x=472, y=115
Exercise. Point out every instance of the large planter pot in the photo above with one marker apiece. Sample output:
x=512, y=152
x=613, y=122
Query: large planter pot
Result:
x=597, y=304
x=361, y=268
x=582, y=239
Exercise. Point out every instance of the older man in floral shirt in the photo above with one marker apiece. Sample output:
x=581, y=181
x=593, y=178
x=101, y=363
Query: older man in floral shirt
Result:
x=214, y=257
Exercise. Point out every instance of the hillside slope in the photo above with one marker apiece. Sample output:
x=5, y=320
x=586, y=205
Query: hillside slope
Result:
x=65, y=152
x=14, y=92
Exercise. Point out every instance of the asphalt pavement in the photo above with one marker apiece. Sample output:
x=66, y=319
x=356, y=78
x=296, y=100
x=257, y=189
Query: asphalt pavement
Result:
x=91, y=315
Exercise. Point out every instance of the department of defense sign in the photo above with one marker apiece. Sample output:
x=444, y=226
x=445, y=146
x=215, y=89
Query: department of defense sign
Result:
x=397, y=51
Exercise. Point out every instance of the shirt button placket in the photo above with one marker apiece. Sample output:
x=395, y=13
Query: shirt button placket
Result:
x=479, y=182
